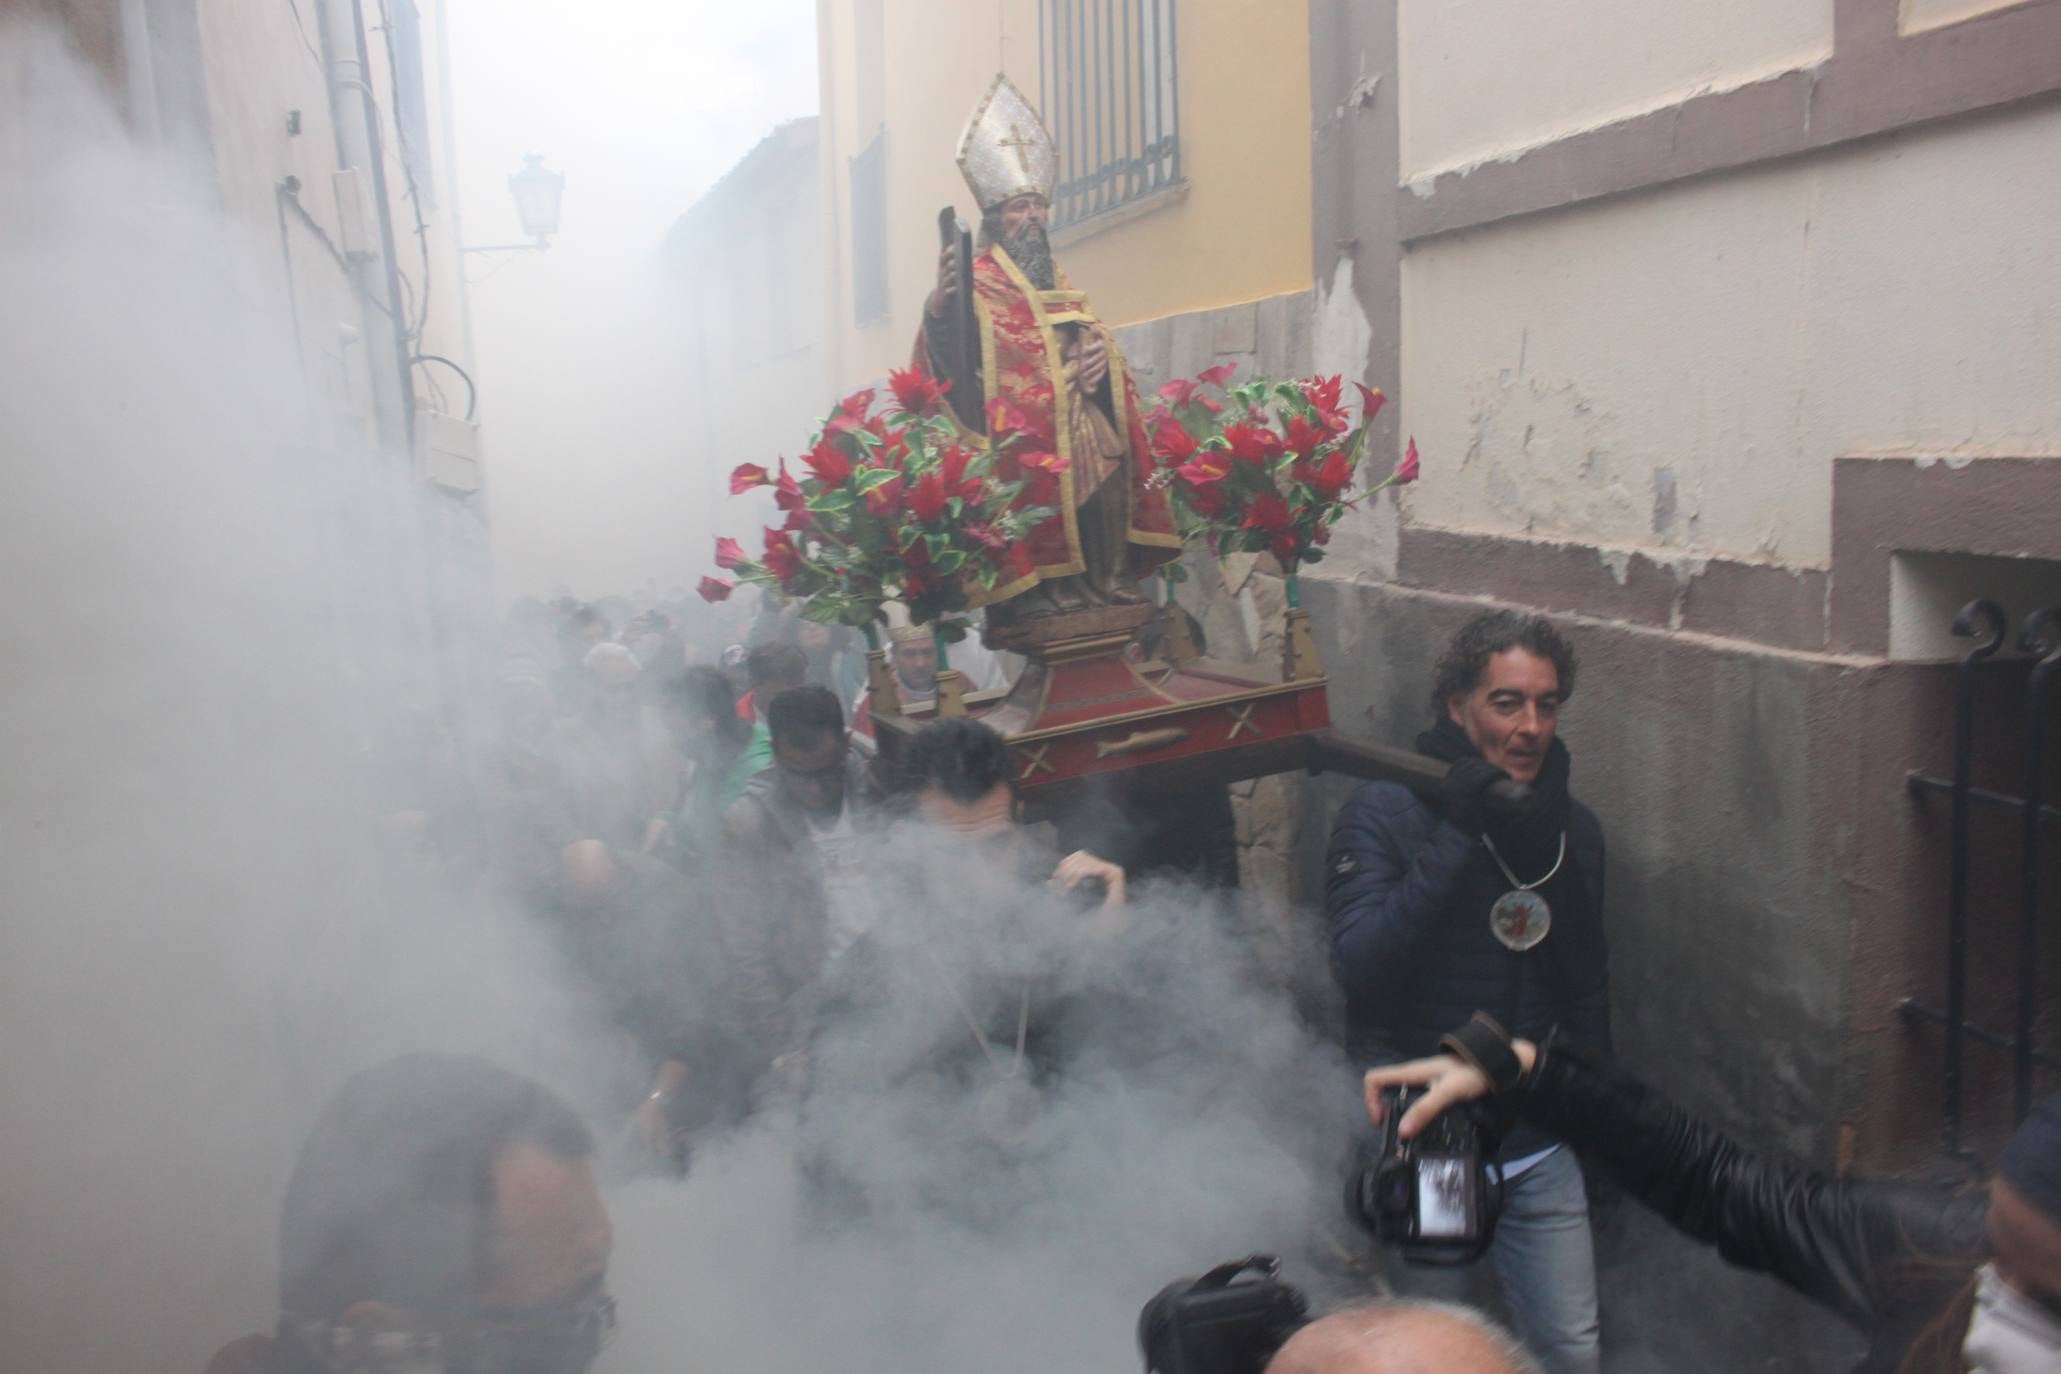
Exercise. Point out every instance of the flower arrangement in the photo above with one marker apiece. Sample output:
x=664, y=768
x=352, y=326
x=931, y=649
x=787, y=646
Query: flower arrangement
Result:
x=1267, y=466
x=893, y=507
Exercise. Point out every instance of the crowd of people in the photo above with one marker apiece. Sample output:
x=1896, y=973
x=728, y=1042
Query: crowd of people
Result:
x=756, y=901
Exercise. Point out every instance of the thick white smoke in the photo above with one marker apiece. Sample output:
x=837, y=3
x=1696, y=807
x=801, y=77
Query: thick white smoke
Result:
x=216, y=627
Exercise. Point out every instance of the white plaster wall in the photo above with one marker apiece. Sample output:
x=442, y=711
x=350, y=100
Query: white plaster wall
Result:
x=1678, y=370
x=1918, y=15
x=1481, y=77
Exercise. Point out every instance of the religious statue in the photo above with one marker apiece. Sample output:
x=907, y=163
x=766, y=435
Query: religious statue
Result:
x=1010, y=326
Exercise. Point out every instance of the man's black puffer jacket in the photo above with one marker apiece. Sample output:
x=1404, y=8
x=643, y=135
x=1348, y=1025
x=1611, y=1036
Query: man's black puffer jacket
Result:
x=1888, y=1257
x=1408, y=895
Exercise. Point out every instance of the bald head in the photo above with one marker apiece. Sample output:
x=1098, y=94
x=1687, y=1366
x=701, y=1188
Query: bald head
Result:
x=1402, y=1338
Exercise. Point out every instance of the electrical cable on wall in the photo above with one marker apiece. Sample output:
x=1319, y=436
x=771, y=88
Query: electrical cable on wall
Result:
x=471, y=390
x=393, y=81
x=306, y=42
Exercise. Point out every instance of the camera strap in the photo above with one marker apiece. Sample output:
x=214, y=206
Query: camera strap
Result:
x=1484, y=1045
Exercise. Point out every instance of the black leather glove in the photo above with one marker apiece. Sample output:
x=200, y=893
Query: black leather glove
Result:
x=1465, y=793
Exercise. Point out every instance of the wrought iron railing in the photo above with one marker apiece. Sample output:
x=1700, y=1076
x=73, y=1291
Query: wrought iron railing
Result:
x=1983, y=623
x=1111, y=78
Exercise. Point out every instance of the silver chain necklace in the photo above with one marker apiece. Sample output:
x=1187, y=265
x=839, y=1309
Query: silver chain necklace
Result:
x=1521, y=918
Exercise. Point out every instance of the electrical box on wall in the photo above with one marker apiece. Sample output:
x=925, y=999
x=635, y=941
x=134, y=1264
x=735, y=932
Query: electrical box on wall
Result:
x=447, y=451
x=354, y=213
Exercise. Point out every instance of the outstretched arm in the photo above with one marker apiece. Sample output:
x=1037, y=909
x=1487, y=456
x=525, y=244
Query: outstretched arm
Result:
x=1846, y=1244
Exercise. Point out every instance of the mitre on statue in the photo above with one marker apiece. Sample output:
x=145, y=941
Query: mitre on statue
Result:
x=899, y=630
x=1006, y=150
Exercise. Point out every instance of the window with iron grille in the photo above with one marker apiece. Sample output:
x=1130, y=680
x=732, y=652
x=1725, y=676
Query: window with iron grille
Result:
x=869, y=231
x=1111, y=87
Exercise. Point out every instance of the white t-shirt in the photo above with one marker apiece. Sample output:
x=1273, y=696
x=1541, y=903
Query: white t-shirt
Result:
x=838, y=855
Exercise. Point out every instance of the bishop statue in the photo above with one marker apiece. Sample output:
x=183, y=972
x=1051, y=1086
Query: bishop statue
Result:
x=1028, y=338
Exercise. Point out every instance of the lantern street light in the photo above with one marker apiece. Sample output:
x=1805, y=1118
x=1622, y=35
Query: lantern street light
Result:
x=537, y=192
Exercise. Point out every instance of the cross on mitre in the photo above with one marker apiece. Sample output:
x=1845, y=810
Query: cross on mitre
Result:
x=1017, y=141
x=1006, y=149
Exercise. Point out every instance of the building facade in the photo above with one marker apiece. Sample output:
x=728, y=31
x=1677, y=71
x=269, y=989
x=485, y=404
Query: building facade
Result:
x=1728, y=336
x=317, y=137
x=1173, y=203
x=746, y=267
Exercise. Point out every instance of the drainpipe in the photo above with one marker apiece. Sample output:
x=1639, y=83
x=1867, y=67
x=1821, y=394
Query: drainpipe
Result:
x=354, y=110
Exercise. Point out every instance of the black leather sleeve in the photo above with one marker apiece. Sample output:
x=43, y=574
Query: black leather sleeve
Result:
x=1856, y=1247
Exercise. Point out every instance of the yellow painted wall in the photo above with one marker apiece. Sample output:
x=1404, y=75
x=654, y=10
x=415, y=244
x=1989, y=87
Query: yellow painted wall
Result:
x=1242, y=233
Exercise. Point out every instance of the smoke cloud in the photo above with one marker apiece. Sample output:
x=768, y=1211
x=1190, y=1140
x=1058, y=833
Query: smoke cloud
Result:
x=218, y=711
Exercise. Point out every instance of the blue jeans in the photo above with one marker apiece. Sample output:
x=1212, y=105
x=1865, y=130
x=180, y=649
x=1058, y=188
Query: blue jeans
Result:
x=1545, y=1263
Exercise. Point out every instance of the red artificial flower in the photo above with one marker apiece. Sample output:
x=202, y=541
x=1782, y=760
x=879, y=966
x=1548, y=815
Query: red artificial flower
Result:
x=787, y=493
x=828, y=462
x=1208, y=500
x=745, y=476
x=952, y=469
x=857, y=404
x=1334, y=477
x=800, y=518
x=1207, y=469
x=782, y=559
x=917, y=578
x=1183, y=392
x=1005, y=421
x=1268, y=512
x=1250, y=443
x=886, y=498
x=1218, y=375
x=916, y=390
x=1406, y=471
x=987, y=536
x=1172, y=444
x=1304, y=437
x=927, y=498
x=1322, y=394
x=715, y=589
x=1371, y=401
x=729, y=553
x=1047, y=462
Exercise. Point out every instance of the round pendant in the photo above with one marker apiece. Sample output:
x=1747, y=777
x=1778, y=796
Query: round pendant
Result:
x=1520, y=919
x=1007, y=1112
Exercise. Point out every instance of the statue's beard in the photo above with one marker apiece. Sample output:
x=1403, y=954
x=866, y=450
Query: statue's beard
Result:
x=1032, y=252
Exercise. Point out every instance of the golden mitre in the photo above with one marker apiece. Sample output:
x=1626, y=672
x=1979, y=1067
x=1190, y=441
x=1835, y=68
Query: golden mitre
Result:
x=1006, y=150
x=899, y=630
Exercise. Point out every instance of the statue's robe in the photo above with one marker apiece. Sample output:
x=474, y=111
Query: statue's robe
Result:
x=1026, y=342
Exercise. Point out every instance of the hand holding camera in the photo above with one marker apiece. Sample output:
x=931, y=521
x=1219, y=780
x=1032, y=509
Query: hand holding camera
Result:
x=1443, y=1081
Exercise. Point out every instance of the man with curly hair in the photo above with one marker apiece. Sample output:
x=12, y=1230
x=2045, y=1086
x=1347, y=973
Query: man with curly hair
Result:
x=1447, y=904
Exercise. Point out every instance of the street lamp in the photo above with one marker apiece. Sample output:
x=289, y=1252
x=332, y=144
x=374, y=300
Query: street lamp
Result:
x=537, y=192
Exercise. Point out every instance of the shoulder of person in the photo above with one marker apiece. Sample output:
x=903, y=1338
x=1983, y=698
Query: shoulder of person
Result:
x=1386, y=802
x=1584, y=831
x=746, y=820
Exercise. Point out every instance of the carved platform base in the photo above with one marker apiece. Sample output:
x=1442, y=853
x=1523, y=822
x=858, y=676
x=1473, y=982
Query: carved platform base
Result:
x=1032, y=633
x=1082, y=711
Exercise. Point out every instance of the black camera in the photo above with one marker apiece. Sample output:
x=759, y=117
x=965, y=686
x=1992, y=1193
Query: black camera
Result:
x=1229, y=1321
x=1436, y=1197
